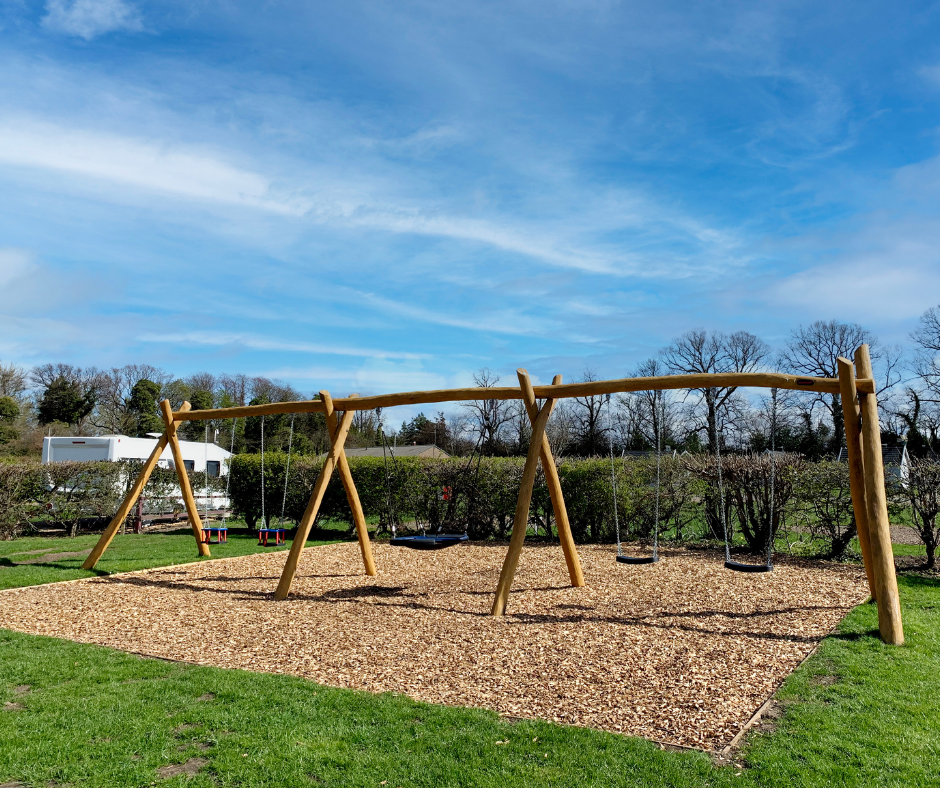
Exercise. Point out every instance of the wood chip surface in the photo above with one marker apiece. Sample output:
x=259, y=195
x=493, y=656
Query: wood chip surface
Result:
x=682, y=651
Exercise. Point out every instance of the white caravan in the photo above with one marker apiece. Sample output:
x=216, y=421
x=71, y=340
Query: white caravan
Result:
x=196, y=457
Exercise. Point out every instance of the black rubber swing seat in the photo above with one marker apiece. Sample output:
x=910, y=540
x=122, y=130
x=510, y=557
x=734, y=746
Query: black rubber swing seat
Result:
x=637, y=559
x=429, y=542
x=737, y=566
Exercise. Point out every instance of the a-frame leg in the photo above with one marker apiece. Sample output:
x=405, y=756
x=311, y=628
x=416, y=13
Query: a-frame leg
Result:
x=313, y=505
x=352, y=495
x=853, y=427
x=521, y=520
x=192, y=510
x=886, y=582
x=129, y=500
x=568, y=547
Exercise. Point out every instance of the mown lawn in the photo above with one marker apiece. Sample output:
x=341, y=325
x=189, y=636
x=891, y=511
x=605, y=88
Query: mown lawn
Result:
x=127, y=553
x=859, y=713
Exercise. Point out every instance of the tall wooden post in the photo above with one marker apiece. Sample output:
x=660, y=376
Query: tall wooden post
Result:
x=132, y=495
x=192, y=510
x=313, y=505
x=572, y=560
x=853, y=426
x=352, y=494
x=886, y=584
x=521, y=521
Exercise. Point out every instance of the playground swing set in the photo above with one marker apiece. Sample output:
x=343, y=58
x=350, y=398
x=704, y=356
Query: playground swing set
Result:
x=863, y=444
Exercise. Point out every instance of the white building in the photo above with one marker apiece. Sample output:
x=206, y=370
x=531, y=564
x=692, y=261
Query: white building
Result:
x=197, y=456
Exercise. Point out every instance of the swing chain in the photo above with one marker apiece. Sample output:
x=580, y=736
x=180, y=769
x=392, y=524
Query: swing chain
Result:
x=613, y=477
x=290, y=443
x=659, y=441
x=721, y=497
x=264, y=521
x=773, y=477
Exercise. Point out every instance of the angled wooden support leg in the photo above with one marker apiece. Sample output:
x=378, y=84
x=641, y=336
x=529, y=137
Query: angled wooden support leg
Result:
x=352, y=495
x=313, y=505
x=853, y=444
x=129, y=500
x=879, y=527
x=192, y=511
x=568, y=547
x=521, y=520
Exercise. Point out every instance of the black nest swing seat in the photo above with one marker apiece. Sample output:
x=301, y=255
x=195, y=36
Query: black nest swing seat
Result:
x=637, y=559
x=429, y=541
x=737, y=566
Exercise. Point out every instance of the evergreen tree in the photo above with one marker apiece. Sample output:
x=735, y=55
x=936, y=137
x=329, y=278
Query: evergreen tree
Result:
x=65, y=401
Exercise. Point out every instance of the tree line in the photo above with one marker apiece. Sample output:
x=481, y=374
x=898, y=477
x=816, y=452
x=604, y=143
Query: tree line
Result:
x=60, y=398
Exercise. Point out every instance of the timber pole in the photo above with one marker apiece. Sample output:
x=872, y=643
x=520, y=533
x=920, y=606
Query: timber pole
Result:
x=853, y=427
x=572, y=560
x=316, y=498
x=130, y=499
x=192, y=510
x=352, y=494
x=521, y=520
x=886, y=583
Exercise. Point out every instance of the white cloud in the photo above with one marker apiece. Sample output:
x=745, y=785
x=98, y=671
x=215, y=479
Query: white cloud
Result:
x=218, y=339
x=90, y=18
x=135, y=162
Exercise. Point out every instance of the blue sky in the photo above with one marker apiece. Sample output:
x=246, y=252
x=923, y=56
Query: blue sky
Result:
x=386, y=196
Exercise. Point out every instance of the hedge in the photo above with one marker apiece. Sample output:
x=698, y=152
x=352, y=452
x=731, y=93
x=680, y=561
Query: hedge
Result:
x=811, y=499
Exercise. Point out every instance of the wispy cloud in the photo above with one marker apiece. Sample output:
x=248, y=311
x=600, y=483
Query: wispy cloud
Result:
x=91, y=18
x=217, y=339
x=139, y=163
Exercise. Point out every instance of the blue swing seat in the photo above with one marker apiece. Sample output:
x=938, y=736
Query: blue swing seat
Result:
x=429, y=542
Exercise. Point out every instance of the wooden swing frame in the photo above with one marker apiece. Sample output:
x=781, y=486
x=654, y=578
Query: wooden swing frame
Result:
x=855, y=384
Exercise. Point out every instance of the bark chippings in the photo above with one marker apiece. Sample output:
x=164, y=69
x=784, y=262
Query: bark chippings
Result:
x=681, y=651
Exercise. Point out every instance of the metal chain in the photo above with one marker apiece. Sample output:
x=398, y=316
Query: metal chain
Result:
x=206, y=448
x=264, y=522
x=773, y=477
x=613, y=478
x=290, y=443
x=659, y=454
x=228, y=476
x=721, y=495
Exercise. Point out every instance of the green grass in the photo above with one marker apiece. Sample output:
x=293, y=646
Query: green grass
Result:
x=98, y=717
x=127, y=553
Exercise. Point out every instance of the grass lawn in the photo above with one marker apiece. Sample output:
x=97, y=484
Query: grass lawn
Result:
x=858, y=713
x=128, y=552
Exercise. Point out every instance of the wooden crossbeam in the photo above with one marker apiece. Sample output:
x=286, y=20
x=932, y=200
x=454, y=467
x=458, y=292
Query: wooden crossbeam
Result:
x=771, y=380
x=572, y=560
x=195, y=522
x=316, y=498
x=521, y=520
x=352, y=494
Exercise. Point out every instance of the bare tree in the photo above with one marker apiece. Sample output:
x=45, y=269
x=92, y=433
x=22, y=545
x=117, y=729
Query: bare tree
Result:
x=590, y=420
x=813, y=350
x=698, y=351
x=927, y=354
x=647, y=417
x=112, y=412
x=488, y=417
x=234, y=389
x=13, y=381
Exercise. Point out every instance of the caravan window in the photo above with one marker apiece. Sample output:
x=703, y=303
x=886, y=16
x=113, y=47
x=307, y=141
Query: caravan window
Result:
x=189, y=465
x=213, y=468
